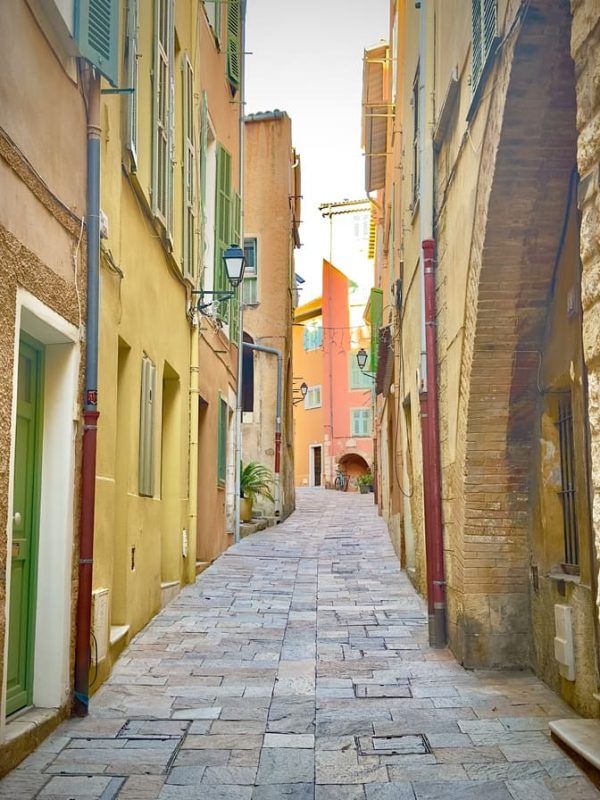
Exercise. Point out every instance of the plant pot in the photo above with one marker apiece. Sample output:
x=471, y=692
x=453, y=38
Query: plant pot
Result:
x=364, y=488
x=245, y=509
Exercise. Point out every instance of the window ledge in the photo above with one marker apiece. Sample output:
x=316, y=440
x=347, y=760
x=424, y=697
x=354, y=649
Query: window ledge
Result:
x=557, y=576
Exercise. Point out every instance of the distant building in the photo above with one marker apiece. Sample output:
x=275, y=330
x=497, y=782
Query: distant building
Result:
x=272, y=188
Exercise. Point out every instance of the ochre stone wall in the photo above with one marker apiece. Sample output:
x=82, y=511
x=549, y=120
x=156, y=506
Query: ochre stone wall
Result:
x=585, y=49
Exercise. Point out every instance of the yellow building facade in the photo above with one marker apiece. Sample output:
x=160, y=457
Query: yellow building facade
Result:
x=489, y=159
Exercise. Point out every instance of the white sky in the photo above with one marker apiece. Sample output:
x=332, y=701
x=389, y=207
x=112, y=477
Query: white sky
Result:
x=307, y=60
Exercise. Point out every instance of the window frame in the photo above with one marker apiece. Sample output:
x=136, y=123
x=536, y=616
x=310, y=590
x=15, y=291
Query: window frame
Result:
x=146, y=470
x=130, y=99
x=188, y=196
x=365, y=382
x=250, y=273
x=222, y=431
x=309, y=403
x=163, y=111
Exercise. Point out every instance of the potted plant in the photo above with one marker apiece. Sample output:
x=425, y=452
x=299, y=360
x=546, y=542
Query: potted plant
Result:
x=365, y=482
x=256, y=481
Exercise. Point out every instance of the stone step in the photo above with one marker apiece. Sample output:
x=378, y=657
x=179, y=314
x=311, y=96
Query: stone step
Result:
x=581, y=737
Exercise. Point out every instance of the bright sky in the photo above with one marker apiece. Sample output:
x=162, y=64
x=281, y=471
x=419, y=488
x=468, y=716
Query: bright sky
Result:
x=307, y=60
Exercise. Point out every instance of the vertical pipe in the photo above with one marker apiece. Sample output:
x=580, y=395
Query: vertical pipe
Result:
x=90, y=403
x=193, y=453
x=434, y=542
x=240, y=343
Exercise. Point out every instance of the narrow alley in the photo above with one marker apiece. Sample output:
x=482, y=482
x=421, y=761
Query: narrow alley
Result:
x=298, y=667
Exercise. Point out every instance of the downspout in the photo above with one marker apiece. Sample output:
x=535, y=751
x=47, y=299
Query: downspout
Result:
x=277, y=471
x=428, y=389
x=90, y=401
x=193, y=452
x=240, y=343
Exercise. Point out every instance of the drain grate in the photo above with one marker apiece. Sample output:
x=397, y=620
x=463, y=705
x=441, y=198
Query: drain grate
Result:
x=404, y=745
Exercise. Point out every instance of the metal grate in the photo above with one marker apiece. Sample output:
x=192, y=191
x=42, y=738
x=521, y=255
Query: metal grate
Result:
x=567, y=474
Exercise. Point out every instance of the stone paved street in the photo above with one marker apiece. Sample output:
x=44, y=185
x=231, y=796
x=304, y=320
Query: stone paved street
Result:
x=298, y=667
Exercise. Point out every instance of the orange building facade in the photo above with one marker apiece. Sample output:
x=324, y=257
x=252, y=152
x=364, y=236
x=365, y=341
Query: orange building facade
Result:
x=333, y=422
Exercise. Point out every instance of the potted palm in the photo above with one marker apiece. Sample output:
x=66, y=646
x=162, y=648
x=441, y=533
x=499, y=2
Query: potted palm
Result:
x=365, y=482
x=256, y=481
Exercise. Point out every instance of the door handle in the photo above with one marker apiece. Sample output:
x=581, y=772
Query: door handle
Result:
x=17, y=519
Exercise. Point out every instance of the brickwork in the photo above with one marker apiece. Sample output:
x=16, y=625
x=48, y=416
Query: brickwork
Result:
x=585, y=49
x=527, y=157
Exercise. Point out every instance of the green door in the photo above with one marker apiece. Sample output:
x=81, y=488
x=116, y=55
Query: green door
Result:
x=26, y=501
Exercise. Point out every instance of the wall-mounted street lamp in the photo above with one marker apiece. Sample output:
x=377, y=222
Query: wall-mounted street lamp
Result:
x=235, y=263
x=303, y=393
x=361, y=358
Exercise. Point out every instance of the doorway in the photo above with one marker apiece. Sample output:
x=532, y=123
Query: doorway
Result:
x=315, y=459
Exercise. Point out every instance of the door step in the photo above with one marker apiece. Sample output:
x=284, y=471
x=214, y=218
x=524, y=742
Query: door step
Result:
x=581, y=739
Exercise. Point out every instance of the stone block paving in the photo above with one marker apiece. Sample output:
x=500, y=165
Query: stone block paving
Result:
x=298, y=667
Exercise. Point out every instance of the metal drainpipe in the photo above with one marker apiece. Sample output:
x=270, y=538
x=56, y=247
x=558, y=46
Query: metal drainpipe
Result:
x=428, y=389
x=240, y=343
x=90, y=410
x=264, y=349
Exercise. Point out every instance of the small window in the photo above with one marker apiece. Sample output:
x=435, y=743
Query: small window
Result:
x=222, y=441
x=213, y=12
x=313, y=397
x=146, y=454
x=162, y=172
x=250, y=285
x=131, y=57
x=416, y=181
x=567, y=475
x=313, y=336
x=361, y=424
x=189, y=173
x=358, y=379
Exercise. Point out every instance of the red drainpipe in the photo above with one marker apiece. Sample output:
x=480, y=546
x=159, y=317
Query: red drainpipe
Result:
x=434, y=541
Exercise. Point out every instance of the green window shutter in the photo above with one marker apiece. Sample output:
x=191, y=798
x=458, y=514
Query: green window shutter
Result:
x=376, y=319
x=97, y=35
x=358, y=379
x=235, y=238
x=361, y=423
x=162, y=113
x=203, y=158
x=146, y=444
x=233, y=44
x=222, y=442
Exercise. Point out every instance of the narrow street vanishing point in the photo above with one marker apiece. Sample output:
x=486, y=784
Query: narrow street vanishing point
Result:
x=298, y=667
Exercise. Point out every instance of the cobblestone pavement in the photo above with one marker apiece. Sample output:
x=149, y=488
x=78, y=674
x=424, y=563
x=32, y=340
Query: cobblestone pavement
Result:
x=298, y=667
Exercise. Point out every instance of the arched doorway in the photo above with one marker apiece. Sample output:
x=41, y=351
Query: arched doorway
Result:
x=353, y=464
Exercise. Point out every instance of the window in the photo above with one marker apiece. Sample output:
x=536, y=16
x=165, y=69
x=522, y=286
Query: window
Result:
x=313, y=397
x=233, y=44
x=213, y=12
x=189, y=174
x=247, y=375
x=313, y=336
x=162, y=173
x=415, y=147
x=146, y=454
x=222, y=441
x=361, y=424
x=358, y=379
x=567, y=474
x=96, y=33
x=131, y=56
x=250, y=285
x=484, y=30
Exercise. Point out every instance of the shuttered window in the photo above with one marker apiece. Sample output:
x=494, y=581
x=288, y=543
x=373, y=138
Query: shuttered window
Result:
x=162, y=173
x=189, y=174
x=358, y=379
x=131, y=56
x=484, y=33
x=416, y=179
x=213, y=12
x=96, y=33
x=233, y=44
x=360, y=420
x=222, y=441
x=313, y=397
x=567, y=493
x=313, y=336
x=147, y=413
x=227, y=231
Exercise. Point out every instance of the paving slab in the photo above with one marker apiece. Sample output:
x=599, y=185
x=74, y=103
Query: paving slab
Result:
x=297, y=666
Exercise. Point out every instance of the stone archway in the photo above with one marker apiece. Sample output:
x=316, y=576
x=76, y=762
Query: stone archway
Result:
x=527, y=161
x=353, y=463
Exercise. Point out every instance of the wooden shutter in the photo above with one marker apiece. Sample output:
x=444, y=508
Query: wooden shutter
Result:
x=234, y=238
x=233, y=44
x=476, y=43
x=97, y=35
x=203, y=158
x=162, y=116
x=146, y=445
x=484, y=31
